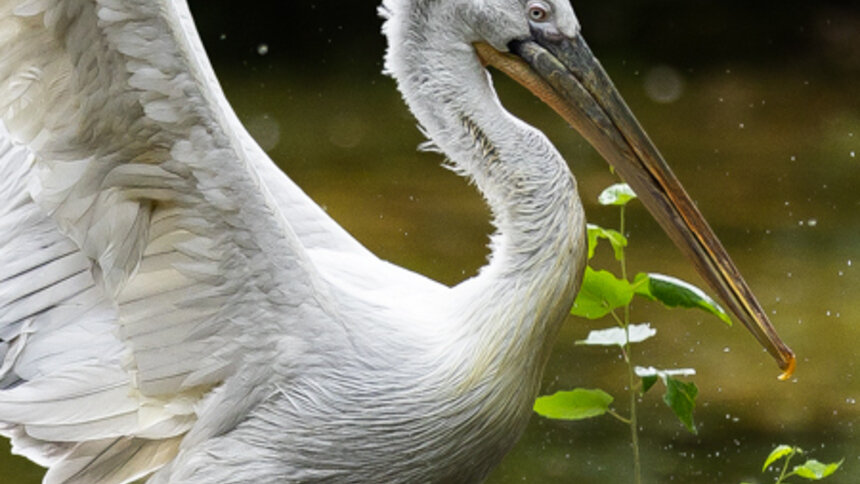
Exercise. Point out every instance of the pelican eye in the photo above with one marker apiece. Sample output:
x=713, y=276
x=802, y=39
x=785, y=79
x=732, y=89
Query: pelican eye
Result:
x=538, y=12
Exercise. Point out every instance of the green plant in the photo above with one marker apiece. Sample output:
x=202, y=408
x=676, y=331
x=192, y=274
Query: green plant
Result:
x=603, y=294
x=811, y=469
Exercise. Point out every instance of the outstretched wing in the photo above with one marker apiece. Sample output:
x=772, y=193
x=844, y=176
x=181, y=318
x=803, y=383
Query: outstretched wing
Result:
x=144, y=250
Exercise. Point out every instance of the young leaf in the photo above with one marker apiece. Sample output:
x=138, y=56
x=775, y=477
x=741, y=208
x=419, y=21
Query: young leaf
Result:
x=601, y=292
x=648, y=382
x=814, y=470
x=674, y=293
x=593, y=232
x=618, y=241
x=681, y=398
x=577, y=404
x=618, y=194
x=778, y=453
x=617, y=336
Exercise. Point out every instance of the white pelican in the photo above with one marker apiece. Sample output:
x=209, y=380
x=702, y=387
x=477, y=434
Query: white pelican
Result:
x=172, y=306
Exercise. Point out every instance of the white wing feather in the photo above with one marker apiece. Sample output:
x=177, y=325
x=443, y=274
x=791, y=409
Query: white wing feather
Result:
x=142, y=236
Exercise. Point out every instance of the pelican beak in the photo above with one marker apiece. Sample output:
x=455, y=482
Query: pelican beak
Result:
x=564, y=73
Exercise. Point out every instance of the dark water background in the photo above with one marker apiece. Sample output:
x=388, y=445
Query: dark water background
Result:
x=757, y=109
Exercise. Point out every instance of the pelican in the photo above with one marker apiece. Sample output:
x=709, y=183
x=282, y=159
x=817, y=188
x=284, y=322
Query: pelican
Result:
x=173, y=307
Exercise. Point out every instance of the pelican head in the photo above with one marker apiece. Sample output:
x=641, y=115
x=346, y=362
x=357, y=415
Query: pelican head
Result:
x=500, y=22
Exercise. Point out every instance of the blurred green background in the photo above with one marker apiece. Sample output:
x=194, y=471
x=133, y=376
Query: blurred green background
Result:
x=756, y=105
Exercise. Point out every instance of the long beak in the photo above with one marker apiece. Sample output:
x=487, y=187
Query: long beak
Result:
x=565, y=74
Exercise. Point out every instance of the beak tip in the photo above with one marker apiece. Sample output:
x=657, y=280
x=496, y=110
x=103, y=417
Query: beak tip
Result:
x=788, y=369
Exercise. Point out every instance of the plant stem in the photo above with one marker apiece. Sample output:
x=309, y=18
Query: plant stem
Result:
x=618, y=416
x=633, y=421
x=783, y=475
x=623, y=255
x=618, y=320
x=631, y=375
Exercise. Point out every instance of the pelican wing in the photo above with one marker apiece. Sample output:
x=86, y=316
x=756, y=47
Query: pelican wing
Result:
x=144, y=250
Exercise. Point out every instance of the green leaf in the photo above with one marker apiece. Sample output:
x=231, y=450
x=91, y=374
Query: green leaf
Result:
x=681, y=398
x=615, y=238
x=648, y=382
x=618, y=194
x=577, y=404
x=778, y=453
x=814, y=470
x=636, y=333
x=601, y=292
x=674, y=293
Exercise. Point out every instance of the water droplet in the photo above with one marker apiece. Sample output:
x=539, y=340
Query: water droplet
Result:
x=265, y=129
x=664, y=84
x=263, y=49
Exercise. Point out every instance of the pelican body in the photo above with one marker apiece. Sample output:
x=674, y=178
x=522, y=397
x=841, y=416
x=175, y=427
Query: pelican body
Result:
x=174, y=307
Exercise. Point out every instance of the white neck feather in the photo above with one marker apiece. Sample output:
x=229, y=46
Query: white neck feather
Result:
x=514, y=307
